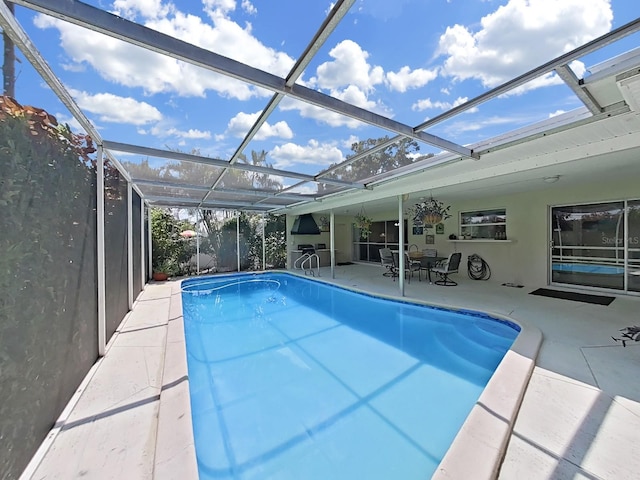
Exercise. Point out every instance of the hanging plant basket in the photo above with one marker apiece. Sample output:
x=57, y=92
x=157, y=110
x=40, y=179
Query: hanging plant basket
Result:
x=429, y=212
x=432, y=218
x=363, y=223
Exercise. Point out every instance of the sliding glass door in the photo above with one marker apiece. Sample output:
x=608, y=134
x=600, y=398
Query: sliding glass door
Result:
x=383, y=234
x=597, y=245
x=633, y=236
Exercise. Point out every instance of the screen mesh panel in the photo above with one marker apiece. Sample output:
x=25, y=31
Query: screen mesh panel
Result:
x=116, y=263
x=48, y=304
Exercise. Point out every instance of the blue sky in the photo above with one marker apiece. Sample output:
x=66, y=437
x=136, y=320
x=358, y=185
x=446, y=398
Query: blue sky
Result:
x=409, y=60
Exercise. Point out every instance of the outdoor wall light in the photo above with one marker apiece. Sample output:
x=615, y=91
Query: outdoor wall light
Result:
x=551, y=179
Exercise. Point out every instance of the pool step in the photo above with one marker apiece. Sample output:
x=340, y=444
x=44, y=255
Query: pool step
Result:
x=458, y=342
x=494, y=337
x=445, y=355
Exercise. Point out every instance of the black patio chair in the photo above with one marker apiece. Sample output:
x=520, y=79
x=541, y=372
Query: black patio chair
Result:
x=446, y=268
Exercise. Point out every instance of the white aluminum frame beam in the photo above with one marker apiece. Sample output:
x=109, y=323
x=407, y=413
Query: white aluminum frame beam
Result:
x=111, y=25
x=100, y=260
x=336, y=14
x=213, y=204
x=564, y=59
x=130, y=245
x=189, y=157
x=555, y=64
x=573, y=82
x=235, y=191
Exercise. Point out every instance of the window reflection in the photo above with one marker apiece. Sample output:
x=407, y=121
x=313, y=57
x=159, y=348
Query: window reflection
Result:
x=588, y=245
x=384, y=234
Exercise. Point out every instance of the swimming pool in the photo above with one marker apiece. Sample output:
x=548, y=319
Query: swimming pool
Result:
x=293, y=378
x=588, y=268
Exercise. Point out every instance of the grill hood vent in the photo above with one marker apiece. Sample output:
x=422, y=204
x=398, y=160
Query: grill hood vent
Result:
x=305, y=225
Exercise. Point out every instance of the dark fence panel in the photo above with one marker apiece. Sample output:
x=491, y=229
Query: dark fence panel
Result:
x=116, y=276
x=48, y=280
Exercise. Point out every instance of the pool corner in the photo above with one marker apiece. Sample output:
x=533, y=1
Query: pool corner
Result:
x=479, y=447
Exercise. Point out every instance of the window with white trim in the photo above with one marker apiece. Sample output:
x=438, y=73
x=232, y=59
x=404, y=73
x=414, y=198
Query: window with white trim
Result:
x=484, y=224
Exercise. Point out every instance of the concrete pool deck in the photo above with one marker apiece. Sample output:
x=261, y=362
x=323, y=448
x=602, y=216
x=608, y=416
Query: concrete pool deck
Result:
x=579, y=416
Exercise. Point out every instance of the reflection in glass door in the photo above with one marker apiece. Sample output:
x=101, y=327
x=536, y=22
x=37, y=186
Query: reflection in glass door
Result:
x=383, y=234
x=633, y=236
x=587, y=245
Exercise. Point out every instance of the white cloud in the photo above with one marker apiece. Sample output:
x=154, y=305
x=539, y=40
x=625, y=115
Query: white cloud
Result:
x=163, y=131
x=314, y=153
x=248, y=7
x=349, y=68
x=521, y=35
x=146, y=8
x=472, y=126
x=113, y=108
x=75, y=126
x=556, y=113
x=240, y=124
x=426, y=104
x=405, y=78
x=221, y=7
x=304, y=189
x=348, y=143
x=321, y=115
x=352, y=95
x=192, y=133
x=131, y=66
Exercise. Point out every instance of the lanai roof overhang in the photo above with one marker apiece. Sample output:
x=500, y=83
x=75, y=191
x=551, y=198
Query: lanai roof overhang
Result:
x=610, y=95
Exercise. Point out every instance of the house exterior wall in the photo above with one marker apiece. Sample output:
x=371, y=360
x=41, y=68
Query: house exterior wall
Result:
x=524, y=260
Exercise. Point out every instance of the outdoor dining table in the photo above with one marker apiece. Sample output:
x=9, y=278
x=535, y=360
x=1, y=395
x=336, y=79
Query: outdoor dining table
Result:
x=426, y=262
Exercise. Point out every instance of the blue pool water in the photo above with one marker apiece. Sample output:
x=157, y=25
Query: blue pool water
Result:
x=588, y=268
x=291, y=378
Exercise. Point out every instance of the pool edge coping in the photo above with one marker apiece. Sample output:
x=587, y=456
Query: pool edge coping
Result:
x=476, y=452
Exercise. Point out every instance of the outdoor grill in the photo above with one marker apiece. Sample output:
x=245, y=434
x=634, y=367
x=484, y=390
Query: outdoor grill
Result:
x=306, y=248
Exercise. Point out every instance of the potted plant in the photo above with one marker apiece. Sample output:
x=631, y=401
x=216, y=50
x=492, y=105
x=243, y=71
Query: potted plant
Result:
x=363, y=223
x=162, y=270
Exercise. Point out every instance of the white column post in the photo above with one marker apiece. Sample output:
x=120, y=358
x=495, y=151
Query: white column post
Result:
x=264, y=243
x=238, y=238
x=102, y=314
x=130, y=243
x=401, y=245
x=150, y=245
x=332, y=243
x=142, y=246
x=198, y=214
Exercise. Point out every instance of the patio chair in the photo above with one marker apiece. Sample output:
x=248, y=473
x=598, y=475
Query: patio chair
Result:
x=386, y=259
x=447, y=267
x=411, y=265
x=628, y=333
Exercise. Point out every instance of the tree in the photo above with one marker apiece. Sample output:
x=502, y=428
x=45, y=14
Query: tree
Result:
x=404, y=152
x=170, y=252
